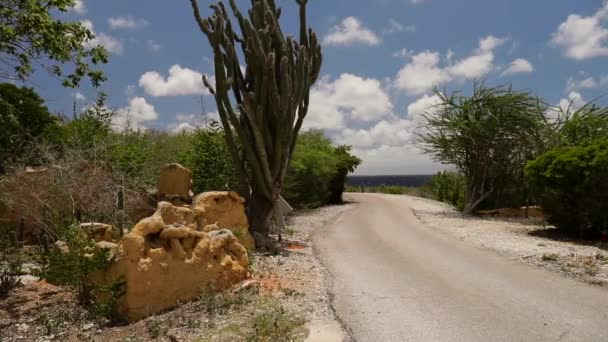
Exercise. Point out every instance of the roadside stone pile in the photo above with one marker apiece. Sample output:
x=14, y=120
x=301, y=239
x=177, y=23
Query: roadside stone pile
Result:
x=167, y=259
x=179, y=251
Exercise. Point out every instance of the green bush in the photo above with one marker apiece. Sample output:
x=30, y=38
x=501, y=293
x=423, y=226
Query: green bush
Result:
x=572, y=187
x=345, y=163
x=448, y=187
x=209, y=160
x=129, y=154
x=318, y=171
x=73, y=261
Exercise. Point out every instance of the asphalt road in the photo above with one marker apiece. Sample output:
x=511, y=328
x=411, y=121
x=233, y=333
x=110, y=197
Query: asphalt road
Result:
x=396, y=280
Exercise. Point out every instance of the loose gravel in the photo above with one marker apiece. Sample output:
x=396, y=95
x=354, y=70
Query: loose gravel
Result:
x=527, y=240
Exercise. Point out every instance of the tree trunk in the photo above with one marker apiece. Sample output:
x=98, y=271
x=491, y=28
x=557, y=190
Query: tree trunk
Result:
x=469, y=209
x=473, y=199
x=259, y=214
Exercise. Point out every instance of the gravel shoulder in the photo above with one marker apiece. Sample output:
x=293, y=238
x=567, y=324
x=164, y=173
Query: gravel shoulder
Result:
x=301, y=271
x=526, y=240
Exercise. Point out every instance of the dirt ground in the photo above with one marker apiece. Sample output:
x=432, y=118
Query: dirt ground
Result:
x=527, y=240
x=288, y=301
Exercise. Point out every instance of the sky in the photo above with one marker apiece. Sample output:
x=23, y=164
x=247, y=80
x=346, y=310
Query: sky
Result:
x=381, y=61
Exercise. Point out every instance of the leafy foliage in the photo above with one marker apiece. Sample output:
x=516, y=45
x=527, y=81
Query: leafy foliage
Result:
x=29, y=35
x=130, y=154
x=208, y=159
x=488, y=136
x=91, y=128
x=74, y=263
x=571, y=183
x=345, y=164
x=24, y=120
x=586, y=123
x=448, y=187
x=317, y=173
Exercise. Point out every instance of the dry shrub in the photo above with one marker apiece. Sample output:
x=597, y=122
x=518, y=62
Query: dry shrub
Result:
x=67, y=188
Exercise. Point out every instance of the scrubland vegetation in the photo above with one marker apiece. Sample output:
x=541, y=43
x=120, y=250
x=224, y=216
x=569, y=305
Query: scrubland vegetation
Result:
x=509, y=149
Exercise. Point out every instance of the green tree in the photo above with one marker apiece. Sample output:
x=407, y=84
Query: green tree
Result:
x=209, y=160
x=574, y=127
x=272, y=95
x=448, y=187
x=318, y=171
x=129, y=154
x=488, y=136
x=345, y=164
x=24, y=119
x=90, y=129
x=29, y=36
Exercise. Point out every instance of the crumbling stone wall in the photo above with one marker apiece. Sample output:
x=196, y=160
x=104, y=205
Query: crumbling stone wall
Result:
x=226, y=210
x=175, y=180
x=167, y=259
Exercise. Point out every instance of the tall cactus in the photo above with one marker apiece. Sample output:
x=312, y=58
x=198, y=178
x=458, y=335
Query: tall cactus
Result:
x=269, y=102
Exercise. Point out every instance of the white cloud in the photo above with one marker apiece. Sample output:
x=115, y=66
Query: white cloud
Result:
x=573, y=102
x=190, y=122
x=111, y=44
x=349, y=96
x=449, y=56
x=79, y=7
x=388, y=147
x=474, y=66
x=586, y=83
x=518, y=66
x=128, y=23
x=135, y=114
x=393, y=26
x=480, y=63
x=186, y=122
x=404, y=54
x=351, y=32
x=396, y=132
x=78, y=96
x=570, y=103
x=153, y=46
x=181, y=81
x=424, y=70
x=379, y=144
x=583, y=37
x=416, y=2
x=382, y=161
x=490, y=43
x=425, y=104
x=421, y=74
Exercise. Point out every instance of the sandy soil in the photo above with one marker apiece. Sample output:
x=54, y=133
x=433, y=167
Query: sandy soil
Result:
x=527, y=240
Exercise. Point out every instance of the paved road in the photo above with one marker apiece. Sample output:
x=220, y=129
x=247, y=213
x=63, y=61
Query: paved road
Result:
x=396, y=280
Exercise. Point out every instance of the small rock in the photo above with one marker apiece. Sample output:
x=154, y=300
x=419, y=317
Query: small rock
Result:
x=88, y=326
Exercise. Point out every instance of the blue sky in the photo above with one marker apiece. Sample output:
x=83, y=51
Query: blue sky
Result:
x=381, y=58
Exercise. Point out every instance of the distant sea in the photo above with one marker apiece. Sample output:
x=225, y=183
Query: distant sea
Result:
x=404, y=180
